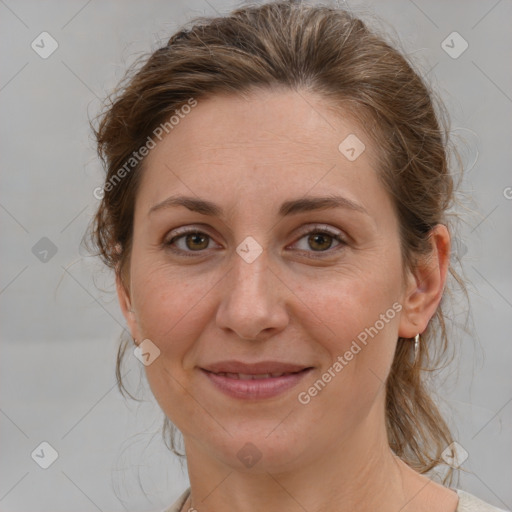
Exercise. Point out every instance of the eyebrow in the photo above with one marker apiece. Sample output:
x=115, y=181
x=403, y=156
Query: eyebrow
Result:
x=292, y=207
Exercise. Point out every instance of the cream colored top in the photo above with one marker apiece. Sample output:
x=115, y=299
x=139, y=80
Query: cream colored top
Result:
x=467, y=503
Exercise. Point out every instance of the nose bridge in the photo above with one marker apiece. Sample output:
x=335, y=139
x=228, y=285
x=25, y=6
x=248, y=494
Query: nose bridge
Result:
x=249, y=280
x=250, y=301
x=250, y=266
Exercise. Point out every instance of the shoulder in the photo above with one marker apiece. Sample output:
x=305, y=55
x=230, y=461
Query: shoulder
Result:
x=470, y=503
x=176, y=506
x=467, y=503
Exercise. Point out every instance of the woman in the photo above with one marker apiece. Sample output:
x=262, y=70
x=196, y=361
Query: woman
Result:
x=275, y=212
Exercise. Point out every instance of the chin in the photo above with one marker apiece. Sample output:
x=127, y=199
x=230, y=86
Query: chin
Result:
x=260, y=447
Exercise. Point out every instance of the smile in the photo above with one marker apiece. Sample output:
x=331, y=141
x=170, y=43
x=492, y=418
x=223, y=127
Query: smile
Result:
x=255, y=386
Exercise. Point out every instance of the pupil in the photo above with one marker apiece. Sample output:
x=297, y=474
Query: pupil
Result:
x=197, y=237
x=319, y=238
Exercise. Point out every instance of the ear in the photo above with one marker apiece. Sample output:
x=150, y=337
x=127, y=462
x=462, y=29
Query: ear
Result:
x=126, y=307
x=425, y=286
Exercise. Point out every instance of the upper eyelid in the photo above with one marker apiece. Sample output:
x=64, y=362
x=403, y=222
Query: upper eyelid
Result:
x=320, y=227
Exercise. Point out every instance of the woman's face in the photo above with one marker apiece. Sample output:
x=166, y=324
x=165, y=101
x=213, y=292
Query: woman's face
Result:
x=269, y=276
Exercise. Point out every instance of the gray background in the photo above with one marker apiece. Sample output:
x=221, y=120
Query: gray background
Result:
x=60, y=320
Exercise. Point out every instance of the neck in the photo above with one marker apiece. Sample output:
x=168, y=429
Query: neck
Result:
x=359, y=473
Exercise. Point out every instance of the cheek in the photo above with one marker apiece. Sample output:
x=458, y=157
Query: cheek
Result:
x=355, y=319
x=342, y=306
x=358, y=332
x=165, y=300
x=171, y=314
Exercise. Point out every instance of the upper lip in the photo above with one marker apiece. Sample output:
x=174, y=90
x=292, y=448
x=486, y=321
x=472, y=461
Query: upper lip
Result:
x=260, y=368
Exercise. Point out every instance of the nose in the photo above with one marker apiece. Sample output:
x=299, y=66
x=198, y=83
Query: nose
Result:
x=253, y=300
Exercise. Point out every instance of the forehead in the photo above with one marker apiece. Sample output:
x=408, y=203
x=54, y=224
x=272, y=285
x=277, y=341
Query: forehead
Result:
x=266, y=142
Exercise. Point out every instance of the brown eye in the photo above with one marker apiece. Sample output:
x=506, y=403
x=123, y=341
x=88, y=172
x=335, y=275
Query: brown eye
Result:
x=191, y=241
x=320, y=241
x=196, y=241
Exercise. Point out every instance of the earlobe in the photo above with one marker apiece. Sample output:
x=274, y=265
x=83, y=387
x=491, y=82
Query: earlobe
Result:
x=126, y=305
x=425, y=287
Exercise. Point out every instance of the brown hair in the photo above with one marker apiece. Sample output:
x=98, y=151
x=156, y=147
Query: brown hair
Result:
x=328, y=51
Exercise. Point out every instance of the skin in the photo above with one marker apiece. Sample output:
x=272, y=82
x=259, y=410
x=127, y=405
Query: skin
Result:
x=249, y=155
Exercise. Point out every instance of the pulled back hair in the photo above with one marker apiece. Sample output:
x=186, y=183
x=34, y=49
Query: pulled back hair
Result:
x=327, y=51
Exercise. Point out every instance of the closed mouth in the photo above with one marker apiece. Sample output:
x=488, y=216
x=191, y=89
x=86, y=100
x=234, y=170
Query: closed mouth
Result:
x=255, y=386
x=248, y=376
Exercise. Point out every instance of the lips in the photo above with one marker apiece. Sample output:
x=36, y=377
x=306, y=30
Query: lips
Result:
x=266, y=379
x=248, y=376
x=263, y=368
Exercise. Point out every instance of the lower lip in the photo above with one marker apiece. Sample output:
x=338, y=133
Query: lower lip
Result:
x=256, y=388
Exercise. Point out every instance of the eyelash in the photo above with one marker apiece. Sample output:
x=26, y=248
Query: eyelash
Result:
x=316, y=230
